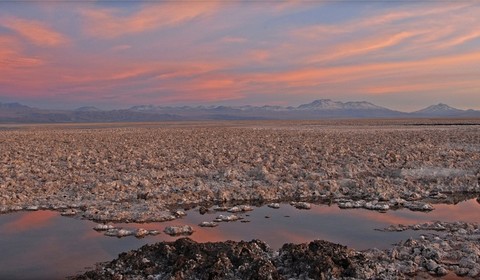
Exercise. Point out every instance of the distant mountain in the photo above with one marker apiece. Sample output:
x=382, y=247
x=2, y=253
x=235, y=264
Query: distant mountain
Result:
x=318, y=109
x=143, y=108
x=439, y=109
x=18, y=113
x=444, y=110
x=14, y=106
x=330, y=108
x=328, y=104
x=11, y=112
x=87, y=109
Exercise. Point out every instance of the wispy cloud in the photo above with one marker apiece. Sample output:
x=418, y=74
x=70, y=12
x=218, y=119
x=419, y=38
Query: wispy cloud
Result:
x=368, y=73
x=230, y=39
x=36, y=32
x=110, y=23
x=360, y=47
x=460, y=39
x=118, y=48
x=11, y=58
x=378, y=21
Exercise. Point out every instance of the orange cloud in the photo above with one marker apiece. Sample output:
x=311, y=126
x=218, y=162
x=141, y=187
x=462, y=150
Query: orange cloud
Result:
x=260, y=55
x=420, y=86
x=11, y=59
x=229, y=39
x=461, y=39
x=112, y=69
x=314, y=76
x=214, y=84
x=35, y=31
x=376, y=21
x=108, y=24
x=361, y=47
x=121, y=48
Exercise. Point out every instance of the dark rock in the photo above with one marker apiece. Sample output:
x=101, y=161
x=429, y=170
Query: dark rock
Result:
x=203, y=210
x=319, y=260
x=186, y=259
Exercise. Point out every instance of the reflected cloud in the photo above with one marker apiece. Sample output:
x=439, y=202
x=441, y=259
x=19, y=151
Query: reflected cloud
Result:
x=30, y=221
x=65, y=245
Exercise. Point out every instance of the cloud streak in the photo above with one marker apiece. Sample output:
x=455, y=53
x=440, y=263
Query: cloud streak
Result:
x=36, y=32
x=111, y=23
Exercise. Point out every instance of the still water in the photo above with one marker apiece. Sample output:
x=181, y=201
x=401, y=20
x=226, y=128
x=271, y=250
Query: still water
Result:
x=45, y=245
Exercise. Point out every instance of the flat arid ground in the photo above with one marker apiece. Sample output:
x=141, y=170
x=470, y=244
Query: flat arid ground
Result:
x=149, y=172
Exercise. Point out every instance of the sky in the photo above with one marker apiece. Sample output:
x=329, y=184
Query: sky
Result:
x=404, y=55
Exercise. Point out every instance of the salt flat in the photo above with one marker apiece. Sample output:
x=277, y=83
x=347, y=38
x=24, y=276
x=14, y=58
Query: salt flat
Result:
x=141, y=171
x=144, y=172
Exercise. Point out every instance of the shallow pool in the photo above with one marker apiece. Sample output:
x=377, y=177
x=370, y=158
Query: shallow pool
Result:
x=45, y=245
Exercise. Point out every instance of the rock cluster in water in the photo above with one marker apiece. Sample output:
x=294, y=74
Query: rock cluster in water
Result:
x=178, y=230
x=140, y=174
x=110, y=230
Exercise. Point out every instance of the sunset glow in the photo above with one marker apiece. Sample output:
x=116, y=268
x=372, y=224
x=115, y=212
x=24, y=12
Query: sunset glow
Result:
x=119, y=54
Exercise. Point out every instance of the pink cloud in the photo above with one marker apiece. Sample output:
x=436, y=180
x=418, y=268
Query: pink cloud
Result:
x=121, y=48
x=230, y=39
x=11, y=59
x=459, y=40
x=109, y=24
x=362, y=46
x=35, y=31
x=377, y=21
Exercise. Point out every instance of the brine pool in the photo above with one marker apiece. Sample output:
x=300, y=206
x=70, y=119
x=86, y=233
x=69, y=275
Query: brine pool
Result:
x=46, y=245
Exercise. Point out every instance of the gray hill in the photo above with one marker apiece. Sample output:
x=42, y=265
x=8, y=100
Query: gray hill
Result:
x=14, y=106
x=87, y=109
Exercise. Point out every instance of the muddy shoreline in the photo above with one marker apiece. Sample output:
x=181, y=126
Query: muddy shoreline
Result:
x=452, y=249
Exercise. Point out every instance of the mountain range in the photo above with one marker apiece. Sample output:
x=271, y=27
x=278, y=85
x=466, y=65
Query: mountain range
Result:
x=318, y=109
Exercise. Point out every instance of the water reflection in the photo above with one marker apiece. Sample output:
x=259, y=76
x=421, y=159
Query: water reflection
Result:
x=45, y=245
x=28, y=221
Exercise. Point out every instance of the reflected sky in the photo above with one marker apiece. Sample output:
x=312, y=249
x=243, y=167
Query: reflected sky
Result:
x=45, y=245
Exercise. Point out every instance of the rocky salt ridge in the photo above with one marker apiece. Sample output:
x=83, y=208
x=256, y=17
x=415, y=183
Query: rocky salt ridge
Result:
x=457, y=251
x=454, y=247
x=140, y=175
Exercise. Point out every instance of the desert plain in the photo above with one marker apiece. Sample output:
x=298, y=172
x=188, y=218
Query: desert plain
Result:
x=153, y=172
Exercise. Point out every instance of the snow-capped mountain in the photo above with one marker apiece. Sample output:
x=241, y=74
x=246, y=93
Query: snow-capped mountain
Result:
x=87, y=109
x=328, y=104
x=143, y=108
x=322, y=104
x=14, y=106
x=440, y=109
x=318, y=109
